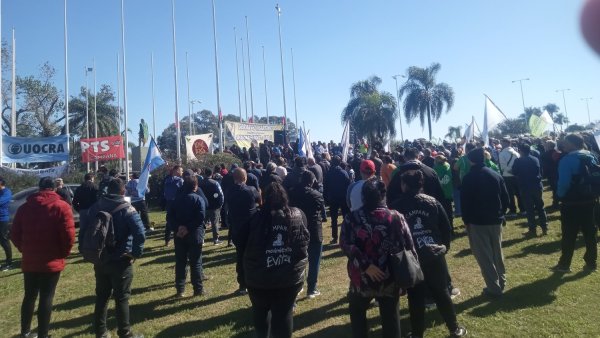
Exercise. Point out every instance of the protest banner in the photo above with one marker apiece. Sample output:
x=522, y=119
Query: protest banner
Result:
x=35, y=149
x=197, y=145
x=53, y=172
x=244, y=134
x=102, y=149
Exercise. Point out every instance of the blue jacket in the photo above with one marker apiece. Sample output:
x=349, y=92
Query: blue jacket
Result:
x=336, y=185
x=129, y=229
x=132, y=191
x=5, y=198
x=189, y=210
x=569, y=167
x=528, y=173
x=172, y=185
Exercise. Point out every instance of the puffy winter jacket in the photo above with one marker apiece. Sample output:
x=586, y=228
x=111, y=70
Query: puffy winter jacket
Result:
x=310, y=201
x=336, y=185
x=431, y=184
x=276, y=254
x=44, y=231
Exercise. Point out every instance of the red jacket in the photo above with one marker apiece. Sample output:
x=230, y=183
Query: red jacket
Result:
x=44, y=232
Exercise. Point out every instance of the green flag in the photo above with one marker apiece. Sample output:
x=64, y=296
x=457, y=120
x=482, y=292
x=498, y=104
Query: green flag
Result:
x=537, y=125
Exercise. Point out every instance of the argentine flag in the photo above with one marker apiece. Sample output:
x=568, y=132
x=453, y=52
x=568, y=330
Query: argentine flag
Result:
x=153, y=160
x=300, y=144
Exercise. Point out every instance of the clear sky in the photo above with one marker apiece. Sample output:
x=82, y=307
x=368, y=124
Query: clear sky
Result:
x=481, y=45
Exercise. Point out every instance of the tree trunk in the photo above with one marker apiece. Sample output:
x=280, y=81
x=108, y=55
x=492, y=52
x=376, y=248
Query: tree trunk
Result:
x=429, y=119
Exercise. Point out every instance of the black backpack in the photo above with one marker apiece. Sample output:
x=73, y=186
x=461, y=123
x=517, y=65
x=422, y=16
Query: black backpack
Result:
x=99, y=236
x=588, y=181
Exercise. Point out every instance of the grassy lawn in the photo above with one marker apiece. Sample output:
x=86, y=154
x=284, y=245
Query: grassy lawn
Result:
x=537, y=303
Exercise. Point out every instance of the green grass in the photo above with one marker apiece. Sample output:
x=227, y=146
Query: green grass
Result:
x=537, y=303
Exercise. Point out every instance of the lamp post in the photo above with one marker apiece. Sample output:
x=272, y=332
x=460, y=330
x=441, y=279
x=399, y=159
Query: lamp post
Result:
x=177, y=126
x=265, y=76
x=95, y=111
x=87, y=109
x=520, y=81
x=282, y=74
x=192, y=132
x=237, y=73
x=187, y=71
x=564, y=101
x=395, y=77
x=587, y=103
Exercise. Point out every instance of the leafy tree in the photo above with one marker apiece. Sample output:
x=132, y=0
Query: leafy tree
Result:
x=575, y=128
x=560, y=119
x=423, y=97
x=530, y=111
x=371, y=113
x=107, y=118
x=510, y=127
x=454, y=132
x=551, y=108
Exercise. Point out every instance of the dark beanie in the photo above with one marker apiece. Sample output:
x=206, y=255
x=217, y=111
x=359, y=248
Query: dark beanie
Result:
x=46, y=183
x=476, y=156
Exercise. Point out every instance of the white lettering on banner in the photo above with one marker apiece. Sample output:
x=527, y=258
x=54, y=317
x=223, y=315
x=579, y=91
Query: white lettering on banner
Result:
x=48, y=172
x=35, y=149
x=246, y=133
x=104, y=146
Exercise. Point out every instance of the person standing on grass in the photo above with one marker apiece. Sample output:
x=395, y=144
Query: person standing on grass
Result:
x=137, y=201
x=529, y=178
x=86, y=194
x=186, y=217
x=369, y=235
x=484, y=201
x=214, y=194
x=115, y=274
x=275, y=260
x=243, y=202
x=172, y=183
x=43, y=231
x=507, y=158
x=354, y=194
x=5, y=198
x=577, y=205
x=444, y=172
x=311, y=202
x=431, y=232
x=336, y=186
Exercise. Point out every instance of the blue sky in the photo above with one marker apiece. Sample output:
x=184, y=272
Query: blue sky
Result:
x=482, y=46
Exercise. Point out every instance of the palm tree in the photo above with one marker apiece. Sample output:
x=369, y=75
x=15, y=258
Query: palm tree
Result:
x=561, y=119
x=371, y=113
x=425, y=97
x=454, y=132
x=108, y=114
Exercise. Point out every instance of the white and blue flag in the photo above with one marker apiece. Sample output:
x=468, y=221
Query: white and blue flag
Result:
x=301, y=141
x=153, y=160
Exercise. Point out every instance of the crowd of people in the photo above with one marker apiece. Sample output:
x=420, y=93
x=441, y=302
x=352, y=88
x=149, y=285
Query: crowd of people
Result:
x=274, y=204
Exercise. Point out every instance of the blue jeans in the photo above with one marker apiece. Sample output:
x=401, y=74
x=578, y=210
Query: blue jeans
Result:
x=188, y=249
x=532, y=200
x=315, y=249
x=456, y=197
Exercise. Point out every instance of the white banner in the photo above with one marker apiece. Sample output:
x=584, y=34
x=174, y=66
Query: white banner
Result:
x=244, y=134
x=197, y=145
x=53, y=172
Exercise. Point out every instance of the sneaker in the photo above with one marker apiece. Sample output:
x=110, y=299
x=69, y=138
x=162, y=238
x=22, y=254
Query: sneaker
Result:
x=459, y=332
x=487, y=292
x=133, y=335
x=324, y=219
x=217, y=242
x=530, y=234
x=28, y=335
x=314, y=293
x=179, y=295
x=454, y=292
x=104, y=335
x=199, y=293
x=241, y=292
x=205, y=277
x=590, y=268
x=560, y=268
x=333, y=241
x=6, y=267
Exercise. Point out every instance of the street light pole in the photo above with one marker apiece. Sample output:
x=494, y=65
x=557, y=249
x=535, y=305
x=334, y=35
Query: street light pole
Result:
x=237, y=73
x=249, y=69
x=193, y=130
x=177, y=126
x=564, y=102
x=214, y=22
x=244, y=78
x=395, y=77
x=282, y=74
x=587, y=103
x=520, y=81
x=294, y=82
x=95, y=111
x=187, y=71
x=265, y=76
x=87, y=110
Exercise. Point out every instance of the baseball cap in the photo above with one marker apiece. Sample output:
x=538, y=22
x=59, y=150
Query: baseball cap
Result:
x=367, y=167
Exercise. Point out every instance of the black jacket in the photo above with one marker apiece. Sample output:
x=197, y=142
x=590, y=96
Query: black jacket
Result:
x=293, y=178
x=276, y=254
x=189, y=210
x=241, y=202
x=318, y=172
x=431, y=185
x=252, y=181
x=336, y=185
x=213, y=193
x=310, y=201
x=483, y=197
x=85, y=196
x=268, y=179
x=428, y=223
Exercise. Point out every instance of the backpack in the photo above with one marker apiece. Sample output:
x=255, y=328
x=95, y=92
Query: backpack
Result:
x=99, y=236
x=588, y=181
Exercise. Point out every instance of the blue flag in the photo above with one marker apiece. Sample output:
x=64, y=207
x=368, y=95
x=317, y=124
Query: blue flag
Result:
x=153, y=160
x=301, y=143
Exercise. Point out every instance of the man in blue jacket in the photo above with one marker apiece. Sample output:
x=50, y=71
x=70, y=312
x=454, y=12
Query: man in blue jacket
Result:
x=172, y=183
x=336, y=186
x=577, y=207
x=5, y=198
x=115, y=275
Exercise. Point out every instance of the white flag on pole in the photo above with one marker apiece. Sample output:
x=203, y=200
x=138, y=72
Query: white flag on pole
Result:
x=492, y=116
x=546, y=117
x=470, y=131
x=345, y=141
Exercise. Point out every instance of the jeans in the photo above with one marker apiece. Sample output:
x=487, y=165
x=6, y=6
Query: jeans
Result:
x=532, y=199
x=44, y=284
x=457, y=205
x=212, y=217
x=513, y=192
x=273, y=311
x=113, y=278
x=5, y=241
x=188, y=249
x=315, y=248
x=388, y=311
x=142, y=208
x=333, y=210
x=574, y=218
x=436, y=284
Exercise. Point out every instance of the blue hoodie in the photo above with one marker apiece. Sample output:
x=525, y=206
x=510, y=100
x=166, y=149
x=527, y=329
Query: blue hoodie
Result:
x=568, y=167
x=5, y=198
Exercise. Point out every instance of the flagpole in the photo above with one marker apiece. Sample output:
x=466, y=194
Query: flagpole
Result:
x=217, y=76
x=126, y=141
x=187, y=70
x=153, y=96
x=177, y=127
x=120, y=121
x=95, y=111
x=2, y=117
x=294, y=82
x=13, y=115
x=87, y=111
x=265, y=76
x=282, y=74
x=249, y=69
x=244, y=74
x=237, y=73
x=66, y=77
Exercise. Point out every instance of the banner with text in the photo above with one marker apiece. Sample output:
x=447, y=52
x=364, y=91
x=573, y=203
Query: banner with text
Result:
x=102, y=149
x=244, y=134
x=53, y=172
x=197, y=145
x=35, y=149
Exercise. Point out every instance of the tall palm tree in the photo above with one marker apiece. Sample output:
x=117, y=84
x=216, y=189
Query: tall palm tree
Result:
x=454, y=132
x=561, y=119
x=423, y=97
x=107, y=118
x=372, y=113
